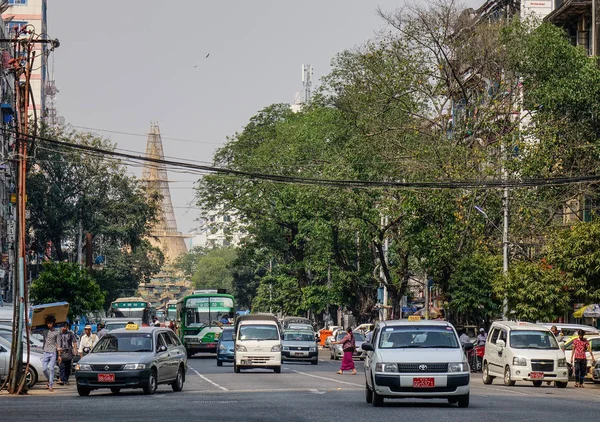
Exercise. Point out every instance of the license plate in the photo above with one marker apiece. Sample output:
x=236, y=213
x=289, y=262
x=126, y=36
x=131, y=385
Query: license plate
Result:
x=423, y=382
x=106, y=377
x=536, y=375
x=299, y=354
x=246, y=361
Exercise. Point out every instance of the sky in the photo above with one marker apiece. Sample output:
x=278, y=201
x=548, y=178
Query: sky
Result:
x=122, y=67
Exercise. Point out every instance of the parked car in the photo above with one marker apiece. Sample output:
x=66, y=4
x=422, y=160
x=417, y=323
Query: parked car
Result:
x=35, y=344
x=522, y=351
x=34, y=374
x=570, y=330
x=338, y=353
x=416, y=359
x=226, y=346
x=299, y=346
x=594, y=343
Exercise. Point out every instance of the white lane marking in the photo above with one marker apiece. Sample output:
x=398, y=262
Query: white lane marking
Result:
x=328, y=379
x=207, y=380
x=501, y=390
x=314, y=390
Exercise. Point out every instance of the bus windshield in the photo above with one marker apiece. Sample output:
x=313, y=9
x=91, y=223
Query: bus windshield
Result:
x=202, y=311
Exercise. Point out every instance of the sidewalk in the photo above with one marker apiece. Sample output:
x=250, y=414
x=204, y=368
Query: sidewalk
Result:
x=40, y=390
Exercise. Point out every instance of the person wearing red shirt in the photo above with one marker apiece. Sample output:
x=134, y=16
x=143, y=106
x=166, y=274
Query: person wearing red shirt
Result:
x=580, y=346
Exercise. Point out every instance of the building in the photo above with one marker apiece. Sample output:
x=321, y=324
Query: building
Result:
x=219, y=229
x=21, y=13
x=576, y=17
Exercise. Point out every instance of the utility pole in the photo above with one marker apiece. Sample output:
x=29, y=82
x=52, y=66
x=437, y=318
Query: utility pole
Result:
x=383, y=310
x=23, y=41
x=307, y=73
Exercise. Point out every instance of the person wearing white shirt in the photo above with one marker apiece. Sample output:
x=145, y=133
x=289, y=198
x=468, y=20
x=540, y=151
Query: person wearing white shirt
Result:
x=87, y=341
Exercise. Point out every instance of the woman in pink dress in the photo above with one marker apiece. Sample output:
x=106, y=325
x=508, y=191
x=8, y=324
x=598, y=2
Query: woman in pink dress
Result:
x=348, y=346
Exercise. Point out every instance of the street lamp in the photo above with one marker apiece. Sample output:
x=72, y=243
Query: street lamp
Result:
x=504, y=247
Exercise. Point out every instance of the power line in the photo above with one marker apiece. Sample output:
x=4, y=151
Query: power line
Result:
x=145, y=135
x=202, y=169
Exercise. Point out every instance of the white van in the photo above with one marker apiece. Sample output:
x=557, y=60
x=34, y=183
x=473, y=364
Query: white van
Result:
x=522, y=351
x=257, y=342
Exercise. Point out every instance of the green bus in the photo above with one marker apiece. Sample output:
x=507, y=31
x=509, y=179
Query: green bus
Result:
x=172, y=310
x=201, y=317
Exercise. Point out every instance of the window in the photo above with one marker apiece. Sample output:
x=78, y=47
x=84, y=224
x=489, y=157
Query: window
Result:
x=494, y=336
x=421, y=336
x=166, y=339
x=14, y=26
x=174, y=339
x=17, y=2
x=502, y=336
x=595, y=345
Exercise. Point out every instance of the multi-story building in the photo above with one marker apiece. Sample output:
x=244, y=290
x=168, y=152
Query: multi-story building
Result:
x=576, y=17
x=218, y=229
x=32, y=12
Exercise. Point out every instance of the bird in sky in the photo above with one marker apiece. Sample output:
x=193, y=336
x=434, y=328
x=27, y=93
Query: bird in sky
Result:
x=207, y=56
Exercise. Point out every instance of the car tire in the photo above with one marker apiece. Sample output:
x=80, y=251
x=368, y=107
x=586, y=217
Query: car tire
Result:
x=152, y=384
x=331, y=356
x=368, y=394
x=236, y=368
x=487, y=379
x=277, y=369
x=463, y=401
x=507, y=380
x=452, y=400
x=31, y=377
x=177, y=384
x=314, y=362
x=561, y=384
x=115, y=390
x=83, y=391
x=376, y=399
x=537, y=383
x=189, y=355
x=219, y=363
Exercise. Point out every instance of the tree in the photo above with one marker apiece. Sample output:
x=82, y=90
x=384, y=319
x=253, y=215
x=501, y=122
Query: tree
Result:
x=66, y=282
x=213, y=269
x=188, y=263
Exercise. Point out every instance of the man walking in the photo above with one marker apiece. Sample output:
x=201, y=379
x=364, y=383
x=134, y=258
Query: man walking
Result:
x=87, y=341
x=51, y=346
x=68, y=346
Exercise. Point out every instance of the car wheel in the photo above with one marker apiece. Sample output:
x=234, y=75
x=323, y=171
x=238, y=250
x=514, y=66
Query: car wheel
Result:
x=331, y=356
x=314, y=362
x=537, y=383
x=368, y=394
x=115, y=390
x=507, y=380
x=152, y=383
x=277, y=369
x=487, y=379
x=177, y=385
x=463, y=401
x=189, y=355
x=219, y=363
x=561, y=384
x=236, y=368
x=31, y=377
x=452, y=400
x=83, y=391
x=376, y=399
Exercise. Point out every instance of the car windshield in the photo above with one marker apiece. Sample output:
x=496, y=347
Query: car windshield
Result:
x=298, y=336
x=124, y=342
x=357, y=336
x=227, y=335
x=418, y=336
x=532, y=339
x=258, y=332
x=110, y=327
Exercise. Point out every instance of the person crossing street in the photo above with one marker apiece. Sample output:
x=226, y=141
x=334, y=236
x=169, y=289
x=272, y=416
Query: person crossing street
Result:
x=68, y=347
x=51, y=346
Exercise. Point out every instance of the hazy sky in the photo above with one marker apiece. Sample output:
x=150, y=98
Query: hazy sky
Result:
x=122, y=65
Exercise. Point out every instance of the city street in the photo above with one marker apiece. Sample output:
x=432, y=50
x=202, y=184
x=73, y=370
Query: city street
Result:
x=302, y=392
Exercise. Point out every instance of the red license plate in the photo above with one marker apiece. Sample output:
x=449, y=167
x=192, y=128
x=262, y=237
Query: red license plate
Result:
x=423, y=382
x=536, y=375
x=299, y=354
x=106, y=377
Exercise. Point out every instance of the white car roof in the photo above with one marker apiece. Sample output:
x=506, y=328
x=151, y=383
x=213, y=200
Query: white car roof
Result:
x=405, y=322
x=520, y=325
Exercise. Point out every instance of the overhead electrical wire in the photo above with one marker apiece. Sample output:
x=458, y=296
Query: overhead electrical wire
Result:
x=203, y=169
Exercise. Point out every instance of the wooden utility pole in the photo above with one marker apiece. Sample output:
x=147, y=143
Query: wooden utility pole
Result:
x=22, y=64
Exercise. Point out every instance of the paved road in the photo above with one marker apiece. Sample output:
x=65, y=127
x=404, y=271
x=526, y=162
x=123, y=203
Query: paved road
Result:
x=302, y=392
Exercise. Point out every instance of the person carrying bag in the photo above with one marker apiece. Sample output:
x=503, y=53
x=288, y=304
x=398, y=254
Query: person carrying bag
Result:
x=348, y=346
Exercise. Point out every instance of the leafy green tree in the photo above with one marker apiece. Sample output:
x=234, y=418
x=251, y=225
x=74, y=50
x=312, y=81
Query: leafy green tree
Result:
x=188, y=263
x=213, y=269
x=66, y=282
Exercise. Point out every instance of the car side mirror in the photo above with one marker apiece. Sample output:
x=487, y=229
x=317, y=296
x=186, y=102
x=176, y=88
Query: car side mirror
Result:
x=162, y=348
x=468, y=346
x=367, y=346
x=500, y=343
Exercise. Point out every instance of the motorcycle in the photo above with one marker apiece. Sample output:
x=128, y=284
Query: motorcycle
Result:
x=475, y=358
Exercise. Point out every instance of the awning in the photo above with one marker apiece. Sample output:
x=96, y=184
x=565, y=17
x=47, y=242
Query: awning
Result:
x=589, y=311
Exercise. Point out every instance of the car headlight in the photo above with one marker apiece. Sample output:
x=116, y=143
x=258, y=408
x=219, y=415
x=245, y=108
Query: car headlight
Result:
x=222, y=347
x=456, y=367
x=286, y=348
x=312, y=349
x=386, y=367
x=519, y=361
x=83, y=367
x=562, y=363
x=240, y=348
x=276, y=348
x=135, y=366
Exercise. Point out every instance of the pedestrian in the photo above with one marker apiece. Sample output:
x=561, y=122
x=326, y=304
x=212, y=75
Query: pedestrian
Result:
x=172, y=325
x=464, y=338
x=559, y=336
x=348, y=347
x=581, y=345
x=51, y=347
x=68, y=346
x=101, y=331
x=482, y=337
x=87, y=341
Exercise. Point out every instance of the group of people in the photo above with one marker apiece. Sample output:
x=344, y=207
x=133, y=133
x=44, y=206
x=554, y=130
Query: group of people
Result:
x=480, y=341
